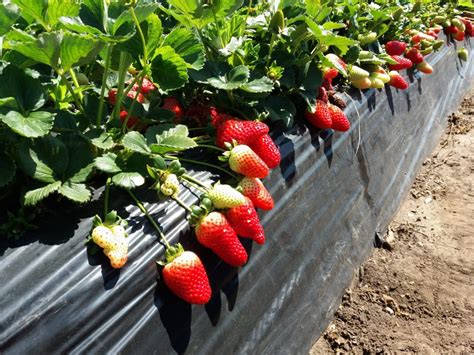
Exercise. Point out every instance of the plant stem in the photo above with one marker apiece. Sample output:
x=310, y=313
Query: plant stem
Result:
x=76, y=83
x=270, y=51
x=211, y=147
x=108, y=55
x=121, y=82
x=196, y=181
x=192, y=184
x=71, y=90
x=182, y=204
x=140, y=32
x=147, y=214
x=124, y=125
x=192, y=161
x=106, y=196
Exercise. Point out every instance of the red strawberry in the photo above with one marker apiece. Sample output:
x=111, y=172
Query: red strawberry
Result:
x=244, y=219
x=330, y=73
x=459, y=36
x=432, y=33
x=244, y=132
x=323, y=94
x=131, y=94
x=416, y=39
x=327, y=85
x=403, y=63
x=243, y=160
x=450, y=29
x=339, y=119
x=397, y=81
x=469, y=28
x=147, y=86
x=395, y=47
x=132, y=121
x=215, y=233
x=217, y=117
x=414, y=55
x=256, y=191
x=184, y=274
x=267, y=150
x=173, y=105
x=321, y=117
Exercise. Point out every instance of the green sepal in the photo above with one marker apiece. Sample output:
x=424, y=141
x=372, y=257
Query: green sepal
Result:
x=171, y=253
x=111, y=219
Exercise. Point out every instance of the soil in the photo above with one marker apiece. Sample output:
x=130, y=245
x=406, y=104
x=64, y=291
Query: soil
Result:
x=415, y=294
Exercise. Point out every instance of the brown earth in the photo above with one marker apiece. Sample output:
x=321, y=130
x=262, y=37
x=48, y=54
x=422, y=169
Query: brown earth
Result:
x=416, y=294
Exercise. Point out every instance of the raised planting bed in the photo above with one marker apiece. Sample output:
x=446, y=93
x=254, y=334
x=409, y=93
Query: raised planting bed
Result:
x=334, y=192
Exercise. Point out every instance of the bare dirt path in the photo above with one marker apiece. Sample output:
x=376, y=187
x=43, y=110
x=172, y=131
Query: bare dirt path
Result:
x=416, y=294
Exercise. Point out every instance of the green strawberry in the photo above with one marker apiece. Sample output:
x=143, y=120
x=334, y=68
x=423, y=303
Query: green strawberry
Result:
x=357, y=73
x=367, y=38
x=170, y=187
x=225, y=196
x=363, y=83
x=463, y=54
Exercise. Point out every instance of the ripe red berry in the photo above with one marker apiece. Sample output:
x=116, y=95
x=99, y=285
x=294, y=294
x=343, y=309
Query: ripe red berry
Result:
x=403, y=63
x=339, y=119
x=321, y=117
x=257, y=192
x=395, y=47
x=244, y=219
x=186, y=277
x=414, y=55
x=267, y=150
x=397, y=81
x=244, y=132
x=215, y=233
x=243, y=160
x=173, y=105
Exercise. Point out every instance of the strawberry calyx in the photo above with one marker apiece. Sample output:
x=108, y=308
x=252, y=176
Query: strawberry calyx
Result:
x=198, y=212
x=172, y=253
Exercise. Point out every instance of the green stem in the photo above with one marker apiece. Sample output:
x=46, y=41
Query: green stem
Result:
x=270, y=51
x=147, y=214
x=121, y=83
x=76, y=83
x=140, y=32
x=106, y=196
x=182, y=204
x=211, y=147
x=108, y=55
x=195, y=181
x=71, y=90
x=192, y=184
x=192, y=161
x=124, y=125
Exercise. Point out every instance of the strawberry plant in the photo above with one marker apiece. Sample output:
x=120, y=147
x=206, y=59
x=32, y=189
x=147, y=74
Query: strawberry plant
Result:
x=128, y=93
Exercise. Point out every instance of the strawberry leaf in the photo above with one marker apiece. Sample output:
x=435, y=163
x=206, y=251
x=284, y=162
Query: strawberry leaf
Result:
x=107, y=163
x=128, y=180
x=9, y=13
x=169, y=70
x=32, y=197
x=135, y=142
x=75, y=192
x=185, y=43
x=281, y=109
x=232, y=80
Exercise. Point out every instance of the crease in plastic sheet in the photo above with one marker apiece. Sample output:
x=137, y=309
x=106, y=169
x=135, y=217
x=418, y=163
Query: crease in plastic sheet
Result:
x=57, y=298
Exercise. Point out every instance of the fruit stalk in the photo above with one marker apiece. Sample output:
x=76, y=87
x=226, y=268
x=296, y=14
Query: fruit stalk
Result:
x=108, y=54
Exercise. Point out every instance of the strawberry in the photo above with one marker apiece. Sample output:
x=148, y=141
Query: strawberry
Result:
x=356, y=73
x=185, y=275
x=458, y=24
x=256, y=191
x=450, y=29
x=469, y=28
x=395, y=47
x=382, y=76
x=414, y=55
x=215, y=233
x=104, y=237
x=118, y=257
x=119, y=231
x=327, y=85
x=363, y=83
x=376, y=83
x=415, y=39
x=267, y=150
x=330, y=73
x=339, y=119
x=244, y=132
x=463, y=54
x=334, y=58
x=322, y=94
x=397, y=81
x=367, y=38
x=173, y=105
x=225, y=196
x=403, y=63
x=112, y=96
x=243, y=160
x=244, y=220
x=320, y=118
x=424, y=67
x=459, y=36
x=170, y=186
x=217, y=117
x=147, y=86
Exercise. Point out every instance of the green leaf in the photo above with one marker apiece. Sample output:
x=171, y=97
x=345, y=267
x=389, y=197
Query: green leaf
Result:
x=107, y=163
x=280, y=108
x=100, y=139
x=81, y=158
x=7, y=169
x=32, y=197
x=28, y=92
x=32, y=9
x=235, y=79
x=8, y=15
x=57, y=49
x=128, y=180
x=263, y=84
x=153, y=33
x=75, y=192
x=58, y=8
x=173, y=144
x=185, y=43
x=135, y=141
x=333, y=25
x=169, y=70
x=141, y=12
x=44, y=159
x=36, y=124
